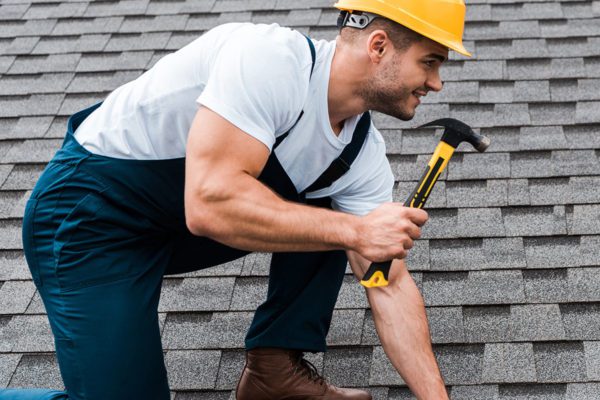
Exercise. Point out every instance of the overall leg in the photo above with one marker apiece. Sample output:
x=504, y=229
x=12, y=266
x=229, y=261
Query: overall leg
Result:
x=99, y=274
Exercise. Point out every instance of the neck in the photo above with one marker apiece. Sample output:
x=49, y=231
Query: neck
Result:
x=342, y=99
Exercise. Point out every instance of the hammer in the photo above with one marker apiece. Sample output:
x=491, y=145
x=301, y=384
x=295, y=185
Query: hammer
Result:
x=455, y=133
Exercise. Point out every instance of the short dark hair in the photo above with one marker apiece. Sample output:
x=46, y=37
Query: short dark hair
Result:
x=402, y=37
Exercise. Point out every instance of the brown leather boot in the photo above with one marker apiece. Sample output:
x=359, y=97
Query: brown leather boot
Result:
x=280, y=374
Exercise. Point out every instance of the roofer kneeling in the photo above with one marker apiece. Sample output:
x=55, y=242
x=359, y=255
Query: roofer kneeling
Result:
x=241, y=141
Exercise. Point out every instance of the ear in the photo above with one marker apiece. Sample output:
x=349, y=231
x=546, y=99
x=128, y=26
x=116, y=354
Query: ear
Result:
x=378, y=45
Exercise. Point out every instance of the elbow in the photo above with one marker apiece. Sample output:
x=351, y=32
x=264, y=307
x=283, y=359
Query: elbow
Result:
x=201, y=214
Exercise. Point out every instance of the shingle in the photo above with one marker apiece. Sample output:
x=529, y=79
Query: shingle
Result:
x=5, y=171
x=303, y=17
x=21, y=45
x=269, y=17
x=36, y=306
x=70, y=44
x=495, y=287
x=581, y=321
x=527, y=48
x=445, y=288
x=35, y=150
x=480, y=222
x=351, y=295
x=51, y=63
x=37, y=371
x=503, y=138
x=13, y=266
x=496, y=92
x=257, y=264
x=531, y=91
x=474, y=115
x=76, y=102
x=6, y=63
x=534, y=221
x=62, y=10
x=28, y=128
x=79, y=26
x=249, y=293
x=12, y=11
x=563, y=90
x=588, y=250
x=588, y=89
x=346, y=327
x=348, y=367
x=192, y=369
x=541, y=322
x=502, y=253
x=577, y=9
x=24, y=85
x=583, y=136
x=479, y=166
x=57, y=128
x=572, y=46
x=582, y=391
x=526, y=11
x=23, y=177
x=134, y=60
x=592, y=358
x=584, y=284
x=571, y=27
x=292, y=4
x=180, y=39
x=456, y=255
x=123, y=7
x=460, y=364
x=559, y=362
x=369, y=334
x=552, y=114
x=8, y=202
x=157, y=23
x=38, y=338
x=532, y=392
x=511, y=115
x=10, y=235
x=542, y=138
x=442, y=224
x=529, y=69
x=5, y=345
x=101, y=82
x=202, y=22
x=198, y=330
x=127, y=42
x=446, y=324
x=490, y=193
x=585, y=220
x=531, y=164
x=203, y=395
x=230, y=367
x=475, y=392
x=552, y=252
x=37, y=27
x=203, y=294
x=426, y=113
x=382, y=372
x=15, y=296
x=591, y=67
x=235, y=5
x=508, y=362
x=588, y=112
x=546, y=286
x=455, y=92
x=8, y=364
x=418, y=256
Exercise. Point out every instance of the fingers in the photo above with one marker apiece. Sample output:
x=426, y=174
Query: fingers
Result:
x=417, y=216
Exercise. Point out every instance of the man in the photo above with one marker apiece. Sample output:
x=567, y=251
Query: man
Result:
x=241, y=141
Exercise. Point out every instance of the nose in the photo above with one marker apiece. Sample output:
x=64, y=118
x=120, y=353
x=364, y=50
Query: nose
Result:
x=434, y=82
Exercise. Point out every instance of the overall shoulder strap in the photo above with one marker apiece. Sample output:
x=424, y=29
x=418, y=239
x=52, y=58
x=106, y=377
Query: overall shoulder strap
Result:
x=313, y=55
x=341, y=165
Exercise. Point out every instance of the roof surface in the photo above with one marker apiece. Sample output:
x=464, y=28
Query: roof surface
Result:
x=509, y=262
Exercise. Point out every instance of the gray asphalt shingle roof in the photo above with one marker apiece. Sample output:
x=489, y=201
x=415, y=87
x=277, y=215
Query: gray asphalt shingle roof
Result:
x=508, y=264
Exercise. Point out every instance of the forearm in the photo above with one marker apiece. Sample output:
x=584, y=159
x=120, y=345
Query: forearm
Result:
x=250, y=216
x=401, y=322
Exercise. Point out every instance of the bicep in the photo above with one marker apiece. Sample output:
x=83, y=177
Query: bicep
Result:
x=217, y=151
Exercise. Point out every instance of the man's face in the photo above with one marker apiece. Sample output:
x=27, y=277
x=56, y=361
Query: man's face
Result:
x=403, y=77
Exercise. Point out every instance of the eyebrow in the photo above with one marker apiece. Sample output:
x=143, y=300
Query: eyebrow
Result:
x=437, y=57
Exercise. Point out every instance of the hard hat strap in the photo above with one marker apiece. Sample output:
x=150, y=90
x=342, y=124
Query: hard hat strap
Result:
x=355, y=19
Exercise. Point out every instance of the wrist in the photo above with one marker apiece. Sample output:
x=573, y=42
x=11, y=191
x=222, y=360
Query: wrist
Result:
x=350, y=232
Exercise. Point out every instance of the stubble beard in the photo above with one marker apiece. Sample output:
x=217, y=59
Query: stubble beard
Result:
x=379, y=94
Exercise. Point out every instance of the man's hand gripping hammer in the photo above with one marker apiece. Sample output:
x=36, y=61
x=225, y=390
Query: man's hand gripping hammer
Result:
x=455, y=133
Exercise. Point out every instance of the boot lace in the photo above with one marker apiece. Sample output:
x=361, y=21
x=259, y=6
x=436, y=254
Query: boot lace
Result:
x=307, y=368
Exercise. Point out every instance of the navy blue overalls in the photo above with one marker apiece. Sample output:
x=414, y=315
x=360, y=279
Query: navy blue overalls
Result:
x=100, y=233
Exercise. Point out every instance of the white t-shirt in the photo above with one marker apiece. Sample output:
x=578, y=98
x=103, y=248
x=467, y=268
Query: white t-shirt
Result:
x=256, y=77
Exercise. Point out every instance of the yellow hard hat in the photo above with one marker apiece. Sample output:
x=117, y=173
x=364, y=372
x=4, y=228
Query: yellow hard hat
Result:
x=440, y=20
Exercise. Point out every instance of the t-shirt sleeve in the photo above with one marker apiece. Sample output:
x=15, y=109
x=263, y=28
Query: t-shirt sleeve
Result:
x=373, y=185
x=259, y=84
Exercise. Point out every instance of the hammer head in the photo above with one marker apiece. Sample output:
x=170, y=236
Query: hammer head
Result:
x=457, y=131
